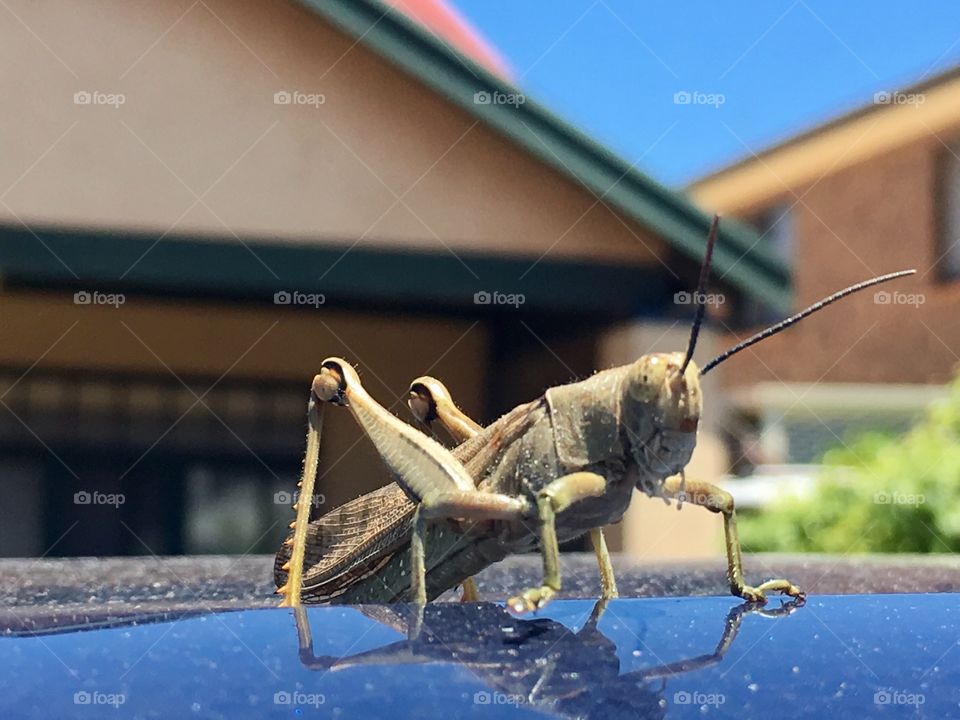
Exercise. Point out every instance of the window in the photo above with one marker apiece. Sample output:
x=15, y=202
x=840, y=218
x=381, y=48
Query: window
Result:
x=775, y=224
x=948, y=246
x=184, y=475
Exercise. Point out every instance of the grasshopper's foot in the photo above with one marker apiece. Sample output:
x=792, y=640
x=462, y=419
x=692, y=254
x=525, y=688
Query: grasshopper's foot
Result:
x=532, y=599
x=759, y=594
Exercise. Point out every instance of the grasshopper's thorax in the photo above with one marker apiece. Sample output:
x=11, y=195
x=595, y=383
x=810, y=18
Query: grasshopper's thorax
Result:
x=661, y=413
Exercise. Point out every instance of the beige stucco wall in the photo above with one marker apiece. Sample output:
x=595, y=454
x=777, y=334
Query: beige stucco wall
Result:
x=199, y=119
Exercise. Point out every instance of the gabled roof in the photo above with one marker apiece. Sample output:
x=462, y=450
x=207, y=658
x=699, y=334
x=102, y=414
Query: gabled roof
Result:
x=739, y=255
x=441, y=18
x=893, y=119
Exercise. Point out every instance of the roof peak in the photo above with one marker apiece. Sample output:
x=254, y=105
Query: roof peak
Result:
x=447, y=24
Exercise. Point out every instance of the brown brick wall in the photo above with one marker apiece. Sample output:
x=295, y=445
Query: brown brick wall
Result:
x=871, y=218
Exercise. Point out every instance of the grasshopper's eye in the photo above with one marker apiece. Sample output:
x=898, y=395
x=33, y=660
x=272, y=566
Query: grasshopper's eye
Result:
x=647, y=378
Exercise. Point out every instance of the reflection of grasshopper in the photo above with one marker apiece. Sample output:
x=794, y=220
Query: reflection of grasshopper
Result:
x=540, y=664
x=548, y=471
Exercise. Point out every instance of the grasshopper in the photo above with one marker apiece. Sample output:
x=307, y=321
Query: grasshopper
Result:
x=548, y=471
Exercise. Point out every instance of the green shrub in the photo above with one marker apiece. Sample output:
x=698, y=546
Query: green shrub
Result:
x=876, y=494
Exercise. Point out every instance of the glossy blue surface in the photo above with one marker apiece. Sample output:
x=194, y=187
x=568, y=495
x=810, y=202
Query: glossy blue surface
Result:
x=837, y=656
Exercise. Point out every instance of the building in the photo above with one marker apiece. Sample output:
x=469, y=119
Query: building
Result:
x=201, y=201
x=869, y=192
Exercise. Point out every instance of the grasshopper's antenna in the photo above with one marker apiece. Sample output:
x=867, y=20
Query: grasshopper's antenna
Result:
x=784, y=324
x=698, y=298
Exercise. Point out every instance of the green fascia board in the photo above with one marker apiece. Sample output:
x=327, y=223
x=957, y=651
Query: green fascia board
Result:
x=255, y=270
x=740, y=257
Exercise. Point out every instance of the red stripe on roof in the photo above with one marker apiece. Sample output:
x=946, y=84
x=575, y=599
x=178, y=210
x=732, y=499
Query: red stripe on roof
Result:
x=452, y=28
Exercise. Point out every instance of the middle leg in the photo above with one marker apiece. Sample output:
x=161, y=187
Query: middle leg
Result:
x=551, y=501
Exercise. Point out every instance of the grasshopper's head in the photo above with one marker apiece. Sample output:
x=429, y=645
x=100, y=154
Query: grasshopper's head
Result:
x=662, y=404
x=673, y=397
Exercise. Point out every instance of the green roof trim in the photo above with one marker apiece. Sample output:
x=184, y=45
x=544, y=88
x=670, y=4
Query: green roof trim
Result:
x=739, y=256
x=254, y=271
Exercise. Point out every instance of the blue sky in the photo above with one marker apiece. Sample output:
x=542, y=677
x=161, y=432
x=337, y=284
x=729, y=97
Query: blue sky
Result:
x=612, y=67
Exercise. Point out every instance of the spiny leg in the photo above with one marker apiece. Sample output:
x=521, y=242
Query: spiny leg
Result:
x=608, y=582
x=430, y=400
x=291, y=590
x=716, y=500
x=470, y=591
x=551, y=501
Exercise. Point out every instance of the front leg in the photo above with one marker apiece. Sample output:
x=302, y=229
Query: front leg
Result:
x=716, y=500
x=551, y=501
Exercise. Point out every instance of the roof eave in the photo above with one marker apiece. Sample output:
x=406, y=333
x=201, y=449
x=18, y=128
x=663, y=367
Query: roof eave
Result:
x=739, y=258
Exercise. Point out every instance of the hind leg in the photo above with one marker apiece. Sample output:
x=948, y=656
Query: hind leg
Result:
x=429, y=400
